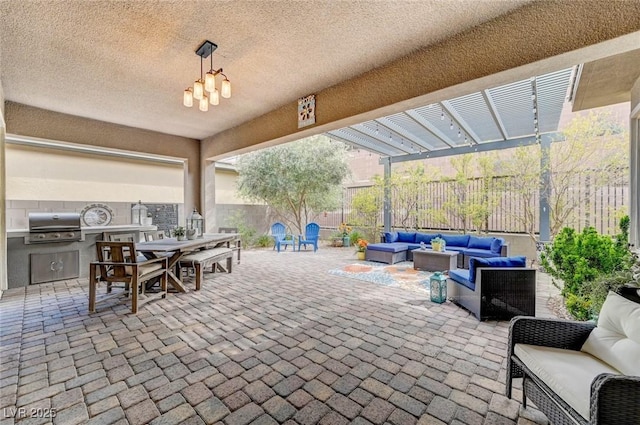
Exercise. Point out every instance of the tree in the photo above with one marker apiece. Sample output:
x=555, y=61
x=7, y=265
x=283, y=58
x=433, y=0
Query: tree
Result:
x=407, y=187
x=593, y=144
x=367, y=204
x=297, y=180
x=472, y=208
x=522, y=172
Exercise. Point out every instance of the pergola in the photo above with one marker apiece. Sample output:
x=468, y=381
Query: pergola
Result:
x=521, y=113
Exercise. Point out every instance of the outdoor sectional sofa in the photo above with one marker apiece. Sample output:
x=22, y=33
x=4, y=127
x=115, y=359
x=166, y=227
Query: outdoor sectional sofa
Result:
x=397, y=246
x=494, y=288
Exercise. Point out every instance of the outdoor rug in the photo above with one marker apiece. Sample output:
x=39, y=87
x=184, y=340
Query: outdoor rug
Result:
x=400, y=275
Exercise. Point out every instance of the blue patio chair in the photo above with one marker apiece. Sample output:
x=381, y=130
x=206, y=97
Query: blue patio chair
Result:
x=310, y=237
x=281, y=237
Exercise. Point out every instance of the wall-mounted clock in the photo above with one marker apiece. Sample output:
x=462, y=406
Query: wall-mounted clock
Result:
x=306, y=110
x=96, y=215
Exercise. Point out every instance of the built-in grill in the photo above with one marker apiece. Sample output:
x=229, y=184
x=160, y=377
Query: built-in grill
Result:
x=45, y=227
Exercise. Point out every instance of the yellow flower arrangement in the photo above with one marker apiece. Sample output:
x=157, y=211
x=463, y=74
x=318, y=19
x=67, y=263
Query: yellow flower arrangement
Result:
x=344, y=229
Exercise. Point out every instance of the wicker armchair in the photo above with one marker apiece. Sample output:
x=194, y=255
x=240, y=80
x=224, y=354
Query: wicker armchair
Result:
x=614, y=398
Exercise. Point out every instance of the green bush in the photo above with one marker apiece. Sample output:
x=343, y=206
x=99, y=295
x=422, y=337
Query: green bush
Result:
x=264, y=241
x=585, y=263
x=354, y=236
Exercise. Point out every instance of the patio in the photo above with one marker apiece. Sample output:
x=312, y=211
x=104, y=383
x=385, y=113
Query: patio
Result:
x=296, y=345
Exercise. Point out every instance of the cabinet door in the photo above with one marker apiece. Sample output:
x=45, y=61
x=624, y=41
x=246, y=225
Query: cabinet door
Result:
x=54, y=266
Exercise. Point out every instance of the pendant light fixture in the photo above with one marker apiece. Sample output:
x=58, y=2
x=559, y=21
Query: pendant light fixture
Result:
x=204, y=89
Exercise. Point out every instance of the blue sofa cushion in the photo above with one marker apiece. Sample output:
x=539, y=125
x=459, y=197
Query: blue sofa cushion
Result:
x=388, y=247
x=519, y=261
x=456, y=240
x=406, y=237
x=412, y=246
x=390, y=237
x=425, y=237
x=482, y=253
x=496, y=245
x=462, y=277
x=456, y=248
x=480, y=243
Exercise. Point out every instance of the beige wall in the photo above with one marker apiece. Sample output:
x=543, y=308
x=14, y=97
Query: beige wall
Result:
x=226, y=188
x=28, y=121
x=55, y=175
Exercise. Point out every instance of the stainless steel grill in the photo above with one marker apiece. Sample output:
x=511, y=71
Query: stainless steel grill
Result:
x=54, y=227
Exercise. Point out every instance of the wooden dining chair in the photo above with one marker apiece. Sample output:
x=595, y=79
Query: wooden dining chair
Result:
x=118, y=263
x=153, y=235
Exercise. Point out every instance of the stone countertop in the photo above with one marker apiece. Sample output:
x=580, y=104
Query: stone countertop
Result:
x=20, y=233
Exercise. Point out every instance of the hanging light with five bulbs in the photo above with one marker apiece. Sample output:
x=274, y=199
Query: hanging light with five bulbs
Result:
x=204, y=89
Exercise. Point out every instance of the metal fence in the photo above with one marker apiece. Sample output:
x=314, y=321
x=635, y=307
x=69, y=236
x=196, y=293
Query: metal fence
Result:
x=591, y=199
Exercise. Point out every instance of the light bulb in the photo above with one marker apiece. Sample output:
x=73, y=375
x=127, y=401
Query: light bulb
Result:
x=210, y=81
x=204, y=104
x=226, y=88
x=214, y=97
x=198, y=90
x=188, y=98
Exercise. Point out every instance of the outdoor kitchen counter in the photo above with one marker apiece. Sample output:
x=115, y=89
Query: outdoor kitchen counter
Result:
x=21, y=233
x=21, y=256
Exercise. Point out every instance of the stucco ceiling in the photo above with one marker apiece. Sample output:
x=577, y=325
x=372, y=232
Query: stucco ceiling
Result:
x=128, y=62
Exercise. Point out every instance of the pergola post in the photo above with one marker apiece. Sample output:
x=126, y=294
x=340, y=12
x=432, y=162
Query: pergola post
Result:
x=545, y=188
x=387, y=194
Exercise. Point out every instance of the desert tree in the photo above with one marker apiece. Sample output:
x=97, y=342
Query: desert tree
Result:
x=297, y=180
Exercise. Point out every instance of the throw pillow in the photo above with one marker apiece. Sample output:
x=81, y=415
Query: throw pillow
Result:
x=616, y=339
x=407, y=237
x=390, y=237
x=480, y=243
x=456, y=240
x=496, y=245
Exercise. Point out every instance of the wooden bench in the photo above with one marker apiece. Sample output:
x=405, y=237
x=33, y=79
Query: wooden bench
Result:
x=207, y=257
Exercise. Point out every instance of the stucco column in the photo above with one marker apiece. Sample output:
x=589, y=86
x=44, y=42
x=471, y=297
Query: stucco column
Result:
x=634, y=174
x=208, y=200
x=3, y=206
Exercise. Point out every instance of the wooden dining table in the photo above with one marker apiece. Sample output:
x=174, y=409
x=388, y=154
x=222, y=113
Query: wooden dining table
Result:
x=174, y=250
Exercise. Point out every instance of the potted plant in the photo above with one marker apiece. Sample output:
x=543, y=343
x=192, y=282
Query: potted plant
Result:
x=362, y=248
x=179, y=232
x=345, y=230
x=438, y=244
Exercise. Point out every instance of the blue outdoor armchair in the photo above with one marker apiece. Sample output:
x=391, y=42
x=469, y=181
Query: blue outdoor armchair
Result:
x=281, y=237
x=310, y=237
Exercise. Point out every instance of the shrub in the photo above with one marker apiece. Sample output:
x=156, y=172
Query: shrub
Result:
x=264, y=241
x=581, y=261
x=354, y=236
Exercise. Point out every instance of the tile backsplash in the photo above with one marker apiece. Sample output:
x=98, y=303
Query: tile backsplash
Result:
x=18, y=211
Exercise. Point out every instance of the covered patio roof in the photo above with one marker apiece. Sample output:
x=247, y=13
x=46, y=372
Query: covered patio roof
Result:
x=495, y=118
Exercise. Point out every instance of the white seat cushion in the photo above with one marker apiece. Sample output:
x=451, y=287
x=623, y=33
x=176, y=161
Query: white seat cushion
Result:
x=567, y=373
x=616, y=340
x=204, y=255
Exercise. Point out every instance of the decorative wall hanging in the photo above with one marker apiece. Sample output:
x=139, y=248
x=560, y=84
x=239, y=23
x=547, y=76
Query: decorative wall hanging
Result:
x=306, y=110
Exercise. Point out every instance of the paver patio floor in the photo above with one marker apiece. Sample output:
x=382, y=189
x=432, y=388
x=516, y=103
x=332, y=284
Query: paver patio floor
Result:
x=279, y=340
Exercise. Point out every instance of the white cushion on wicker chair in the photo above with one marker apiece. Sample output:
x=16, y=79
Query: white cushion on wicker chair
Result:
x=568, y=373
x=616, y=339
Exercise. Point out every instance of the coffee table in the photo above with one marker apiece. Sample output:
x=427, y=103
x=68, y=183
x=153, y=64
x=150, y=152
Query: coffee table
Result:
x=434, y=261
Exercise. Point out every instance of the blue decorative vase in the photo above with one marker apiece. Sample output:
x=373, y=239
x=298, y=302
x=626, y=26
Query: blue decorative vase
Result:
x=346, y=241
